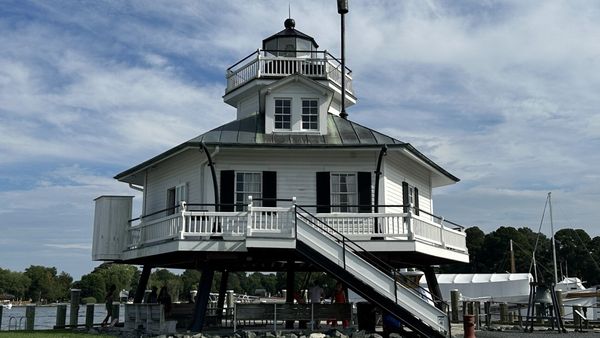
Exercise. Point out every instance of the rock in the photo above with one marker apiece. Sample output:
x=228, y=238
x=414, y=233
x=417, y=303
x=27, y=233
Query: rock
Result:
x=374, y=335
x=248, y=334
x=317, y=335
x=290, y=335
x=395, y=335
x=359, y=334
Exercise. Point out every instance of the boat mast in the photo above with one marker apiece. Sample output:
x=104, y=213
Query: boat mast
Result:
x=512, y=258
x=553, y=241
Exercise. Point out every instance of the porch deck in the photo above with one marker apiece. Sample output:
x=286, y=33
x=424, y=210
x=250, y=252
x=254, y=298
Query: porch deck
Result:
x=195, y=227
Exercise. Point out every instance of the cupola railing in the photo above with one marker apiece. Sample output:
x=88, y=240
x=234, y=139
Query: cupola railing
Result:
x=270, y=64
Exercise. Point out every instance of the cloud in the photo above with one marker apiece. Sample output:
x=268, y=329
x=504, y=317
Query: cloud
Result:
x=502, y=94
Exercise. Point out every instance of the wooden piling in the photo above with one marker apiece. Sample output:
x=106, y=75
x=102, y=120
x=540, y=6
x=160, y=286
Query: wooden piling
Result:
x=89, y=316
x=61, y=315
x=454, y=296
x=116, y=308
x=503, y=313
x=74, y=313
x=30, y=317
x=487, y=308
x=576, y=318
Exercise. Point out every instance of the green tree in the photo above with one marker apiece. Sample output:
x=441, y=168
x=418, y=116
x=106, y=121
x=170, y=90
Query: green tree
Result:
x=44, y=284
x=93, y=285
x=14, y=283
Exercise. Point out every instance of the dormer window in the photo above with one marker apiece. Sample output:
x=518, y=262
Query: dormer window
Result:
x=283, y=114
x=310, y=114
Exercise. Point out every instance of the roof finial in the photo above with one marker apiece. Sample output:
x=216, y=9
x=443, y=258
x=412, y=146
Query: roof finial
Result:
x=289, y=10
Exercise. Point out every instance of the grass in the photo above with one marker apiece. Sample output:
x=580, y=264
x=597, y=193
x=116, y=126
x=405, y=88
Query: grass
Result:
x=48, y=334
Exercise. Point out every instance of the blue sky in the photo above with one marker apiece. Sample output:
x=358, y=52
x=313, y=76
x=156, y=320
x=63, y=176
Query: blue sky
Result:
x=503, y=94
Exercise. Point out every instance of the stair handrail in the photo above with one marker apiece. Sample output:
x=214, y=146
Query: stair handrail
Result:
x=372, y=259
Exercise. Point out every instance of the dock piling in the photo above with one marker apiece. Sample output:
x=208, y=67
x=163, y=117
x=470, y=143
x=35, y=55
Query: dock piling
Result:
x=30, y=317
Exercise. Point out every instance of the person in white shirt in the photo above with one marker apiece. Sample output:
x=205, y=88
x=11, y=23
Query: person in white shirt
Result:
x=316, y=293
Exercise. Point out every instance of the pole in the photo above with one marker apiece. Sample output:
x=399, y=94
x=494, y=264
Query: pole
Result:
x=512, y=258
x=553, y=240
x=342, y=10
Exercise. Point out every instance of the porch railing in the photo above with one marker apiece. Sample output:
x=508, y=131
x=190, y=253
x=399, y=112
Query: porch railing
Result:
x=257, y=221
x=260, y=64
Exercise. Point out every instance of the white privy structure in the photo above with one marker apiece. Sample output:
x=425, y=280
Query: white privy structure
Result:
x=289, y=185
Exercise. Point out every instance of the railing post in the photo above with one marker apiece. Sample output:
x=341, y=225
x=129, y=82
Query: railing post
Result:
x=258, y=63
x=410, y=225
x=183, y=211
x=250, y=225
x=442, y=241
x=295, y=211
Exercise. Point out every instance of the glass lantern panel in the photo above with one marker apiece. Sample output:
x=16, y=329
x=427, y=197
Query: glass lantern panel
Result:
x=270, y=47
x=303, y=48
x=287, y=46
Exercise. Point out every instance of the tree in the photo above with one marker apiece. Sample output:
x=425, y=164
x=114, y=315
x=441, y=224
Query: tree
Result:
x=14, y=283
x=164, y=277
x=93, y=285
x=44, y=285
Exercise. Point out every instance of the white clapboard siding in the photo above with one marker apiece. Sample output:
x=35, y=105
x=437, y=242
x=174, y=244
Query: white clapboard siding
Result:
x=399, y=168
x=184, y=168
x=295, y=173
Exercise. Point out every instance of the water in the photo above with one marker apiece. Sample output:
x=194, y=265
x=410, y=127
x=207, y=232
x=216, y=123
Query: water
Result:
x=45, y=316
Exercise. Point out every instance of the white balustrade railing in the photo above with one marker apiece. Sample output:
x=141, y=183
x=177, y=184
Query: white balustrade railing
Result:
x=271, y=66
x=279, y=221
x=155, y=230
x=213, y=223
x=367, y=224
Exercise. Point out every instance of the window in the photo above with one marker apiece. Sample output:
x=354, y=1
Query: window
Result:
x=310, y=115
x=343, y=192
x=174, y=196
x=410, y=198
x=247, y=184
x=283, y=114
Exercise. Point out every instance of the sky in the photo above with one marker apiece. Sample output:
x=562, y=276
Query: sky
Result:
x=502, y=94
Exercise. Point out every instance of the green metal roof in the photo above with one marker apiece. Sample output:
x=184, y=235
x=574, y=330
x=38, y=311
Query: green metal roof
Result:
x=250, y=132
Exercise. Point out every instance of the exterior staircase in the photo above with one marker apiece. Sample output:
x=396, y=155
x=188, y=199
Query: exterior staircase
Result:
x=368, y=276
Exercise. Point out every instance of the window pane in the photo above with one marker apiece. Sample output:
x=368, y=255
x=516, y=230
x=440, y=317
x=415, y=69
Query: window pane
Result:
x=310, y=113
x=283, y=114
x=248, y=184
x=343, y=192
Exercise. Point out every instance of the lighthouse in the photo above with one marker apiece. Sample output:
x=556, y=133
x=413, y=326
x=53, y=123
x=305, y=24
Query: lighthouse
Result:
x=289, y=185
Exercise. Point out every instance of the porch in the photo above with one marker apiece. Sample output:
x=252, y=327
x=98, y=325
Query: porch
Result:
x=205, y=227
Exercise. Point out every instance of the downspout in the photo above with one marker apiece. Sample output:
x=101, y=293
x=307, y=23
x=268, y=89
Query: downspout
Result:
x=213, y=172
x=382, y=153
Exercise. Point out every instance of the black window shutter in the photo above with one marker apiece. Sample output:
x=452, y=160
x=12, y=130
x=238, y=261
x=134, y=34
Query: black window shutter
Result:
x=269, y=188
x=416, y=201
x=227, y=190
x=405, y=199
x=323, y=192
x=364, y=191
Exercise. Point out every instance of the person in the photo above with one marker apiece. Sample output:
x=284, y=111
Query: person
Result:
x=153, y=296
x=316, y=293
x=339, y=296
x=108, y=300
x=164, y=298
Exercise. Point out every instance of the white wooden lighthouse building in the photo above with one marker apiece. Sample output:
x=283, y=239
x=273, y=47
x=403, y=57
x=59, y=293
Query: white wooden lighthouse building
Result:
x=289, y=185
